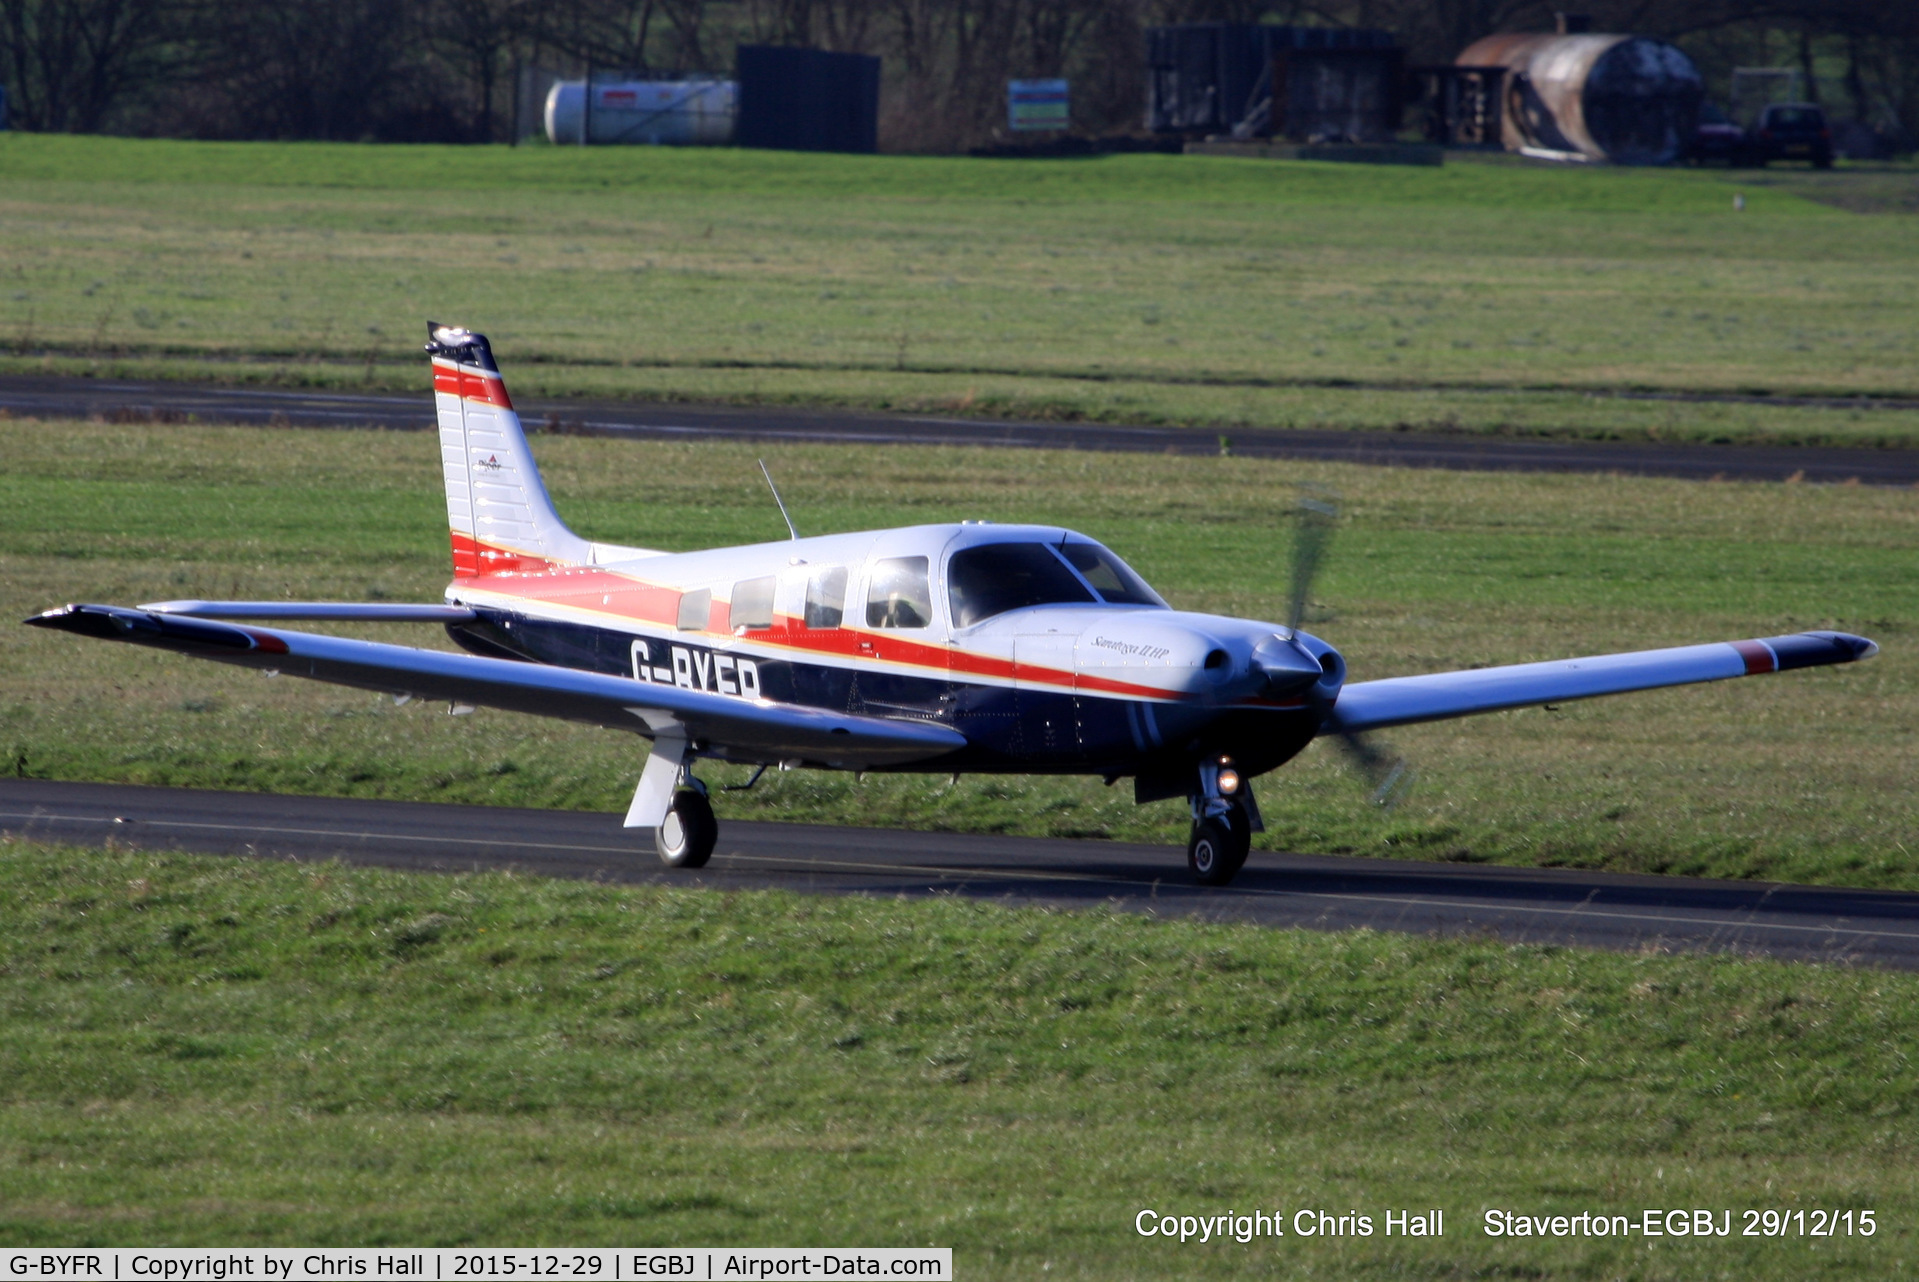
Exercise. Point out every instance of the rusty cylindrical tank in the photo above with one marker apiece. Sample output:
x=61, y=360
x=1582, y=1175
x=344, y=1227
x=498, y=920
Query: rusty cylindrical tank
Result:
x=1628, y=99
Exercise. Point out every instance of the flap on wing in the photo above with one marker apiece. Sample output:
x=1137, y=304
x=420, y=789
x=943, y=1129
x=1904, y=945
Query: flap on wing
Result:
x=358, y=611
x=1399, y=701
x=738, y=728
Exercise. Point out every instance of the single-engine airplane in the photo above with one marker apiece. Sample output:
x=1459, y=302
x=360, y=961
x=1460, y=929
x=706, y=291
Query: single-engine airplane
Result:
x=970, y=647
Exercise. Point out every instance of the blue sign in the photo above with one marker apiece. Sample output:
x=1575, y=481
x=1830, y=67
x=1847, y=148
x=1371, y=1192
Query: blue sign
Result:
x=1036, y=105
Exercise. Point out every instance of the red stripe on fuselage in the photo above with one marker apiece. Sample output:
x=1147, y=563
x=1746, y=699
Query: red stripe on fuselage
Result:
x=1758, y=656
x=633, y=601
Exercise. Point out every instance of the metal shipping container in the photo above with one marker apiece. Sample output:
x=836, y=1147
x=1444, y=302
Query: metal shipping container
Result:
x=1332, y=95
x=794, y=99
x=1209, y=77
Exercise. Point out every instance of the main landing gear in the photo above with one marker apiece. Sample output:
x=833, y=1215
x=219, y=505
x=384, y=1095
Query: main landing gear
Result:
x=688, y=833
x=1225, y=817
x=673, y=804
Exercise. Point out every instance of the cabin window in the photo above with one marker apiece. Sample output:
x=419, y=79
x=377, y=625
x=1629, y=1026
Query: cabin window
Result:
x=897, y=595
x=826, y=598
x=1111, y=577
x=752, y=606
x=695, y=609
x=990, y=580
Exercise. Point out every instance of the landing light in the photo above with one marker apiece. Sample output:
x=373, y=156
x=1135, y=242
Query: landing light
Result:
x=1228, y=779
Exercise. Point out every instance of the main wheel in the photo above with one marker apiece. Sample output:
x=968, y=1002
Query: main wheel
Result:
x=1217, y=849
x=685, y=838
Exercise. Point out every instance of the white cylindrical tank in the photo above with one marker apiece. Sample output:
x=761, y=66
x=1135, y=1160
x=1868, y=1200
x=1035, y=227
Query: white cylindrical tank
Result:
x=685, y=112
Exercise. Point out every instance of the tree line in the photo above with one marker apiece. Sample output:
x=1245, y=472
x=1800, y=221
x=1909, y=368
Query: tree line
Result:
x=451, y=70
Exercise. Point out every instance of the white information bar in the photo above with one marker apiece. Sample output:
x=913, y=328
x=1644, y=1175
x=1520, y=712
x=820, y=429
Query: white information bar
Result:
x=544, y=1264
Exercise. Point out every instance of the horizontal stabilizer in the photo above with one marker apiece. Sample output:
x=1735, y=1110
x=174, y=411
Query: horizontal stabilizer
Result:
x=1400, y=701
x=360, y=611
x=739, y=728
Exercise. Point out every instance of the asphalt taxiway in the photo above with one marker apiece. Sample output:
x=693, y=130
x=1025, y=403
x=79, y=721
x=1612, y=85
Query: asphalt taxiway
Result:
x=51, y=397
x=1541, y=906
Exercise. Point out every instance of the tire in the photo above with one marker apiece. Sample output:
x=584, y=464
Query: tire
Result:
x=686, y=837
x=1217, y=849
x=1822, y=160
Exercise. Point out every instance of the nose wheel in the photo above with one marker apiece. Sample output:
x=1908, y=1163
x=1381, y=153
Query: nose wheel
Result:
x=1225, y=817
x=688, y=833
x=1218, y=847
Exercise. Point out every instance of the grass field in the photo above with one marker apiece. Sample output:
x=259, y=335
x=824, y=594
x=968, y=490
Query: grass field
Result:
x=1190, y=290
x=1802, y=777
x=220, y=1051
x=216, y=1051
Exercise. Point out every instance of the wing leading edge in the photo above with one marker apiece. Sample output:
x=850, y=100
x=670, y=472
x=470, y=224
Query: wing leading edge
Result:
x=356, y=611
x=743, y=729
x=1399, y=701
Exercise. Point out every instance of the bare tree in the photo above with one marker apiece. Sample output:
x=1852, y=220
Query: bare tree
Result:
x=345, y=69
x=477, y=37
x=626, y=35
x=68, y=63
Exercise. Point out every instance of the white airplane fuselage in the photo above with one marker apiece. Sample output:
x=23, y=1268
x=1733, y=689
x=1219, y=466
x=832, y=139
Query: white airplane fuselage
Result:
x=876, y=623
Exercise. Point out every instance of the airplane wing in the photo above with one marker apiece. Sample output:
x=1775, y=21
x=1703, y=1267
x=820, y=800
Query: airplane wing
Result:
x=1399, y=701
x=356, y=611
x=749, y=730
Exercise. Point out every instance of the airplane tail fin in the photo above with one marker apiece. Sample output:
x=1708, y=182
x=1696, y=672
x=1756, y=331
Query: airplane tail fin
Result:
x=500, y=516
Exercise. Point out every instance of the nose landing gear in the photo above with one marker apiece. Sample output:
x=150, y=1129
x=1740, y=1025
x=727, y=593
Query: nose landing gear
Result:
x=1217, y=849
x=1225, y=817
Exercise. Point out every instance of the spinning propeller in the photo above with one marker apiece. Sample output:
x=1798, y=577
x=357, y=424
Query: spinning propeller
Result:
x=1383, y=768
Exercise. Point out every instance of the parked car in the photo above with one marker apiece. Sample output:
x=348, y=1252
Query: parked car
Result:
x=1790, y=131
x=1716, y=138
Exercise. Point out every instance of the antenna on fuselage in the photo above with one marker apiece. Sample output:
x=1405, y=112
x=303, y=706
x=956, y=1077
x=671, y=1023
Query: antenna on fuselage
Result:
x=777, y=499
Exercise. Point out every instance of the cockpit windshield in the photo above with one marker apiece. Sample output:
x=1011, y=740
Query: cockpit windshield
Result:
x=984, y=581
x=996, y=577
x=1111, y=577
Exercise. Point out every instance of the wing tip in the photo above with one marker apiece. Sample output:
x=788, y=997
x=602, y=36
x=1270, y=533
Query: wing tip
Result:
x=1861, y=647
x=1820, y=648
x=61, y=618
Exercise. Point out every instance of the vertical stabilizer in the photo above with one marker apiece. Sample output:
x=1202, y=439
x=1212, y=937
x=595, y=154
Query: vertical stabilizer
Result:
x=500, y=515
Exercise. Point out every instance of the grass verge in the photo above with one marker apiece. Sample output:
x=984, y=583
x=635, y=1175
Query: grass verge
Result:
x=1186, y=290
x=206, y=1050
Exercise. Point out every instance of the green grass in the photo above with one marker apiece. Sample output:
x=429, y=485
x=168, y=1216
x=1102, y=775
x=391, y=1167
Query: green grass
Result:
x=1184, y=290
x=221, y=1051
x=1803, y=777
